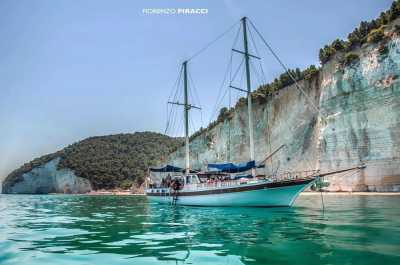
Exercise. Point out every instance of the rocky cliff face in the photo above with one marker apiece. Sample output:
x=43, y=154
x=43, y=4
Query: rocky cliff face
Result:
x=358, y=122
x=48, y=179
x=362, y=106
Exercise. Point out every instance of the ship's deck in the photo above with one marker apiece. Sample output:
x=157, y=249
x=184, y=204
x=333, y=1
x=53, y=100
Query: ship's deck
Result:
x=227, y=186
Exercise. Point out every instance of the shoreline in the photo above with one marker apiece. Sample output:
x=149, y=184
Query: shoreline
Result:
x=350, y=193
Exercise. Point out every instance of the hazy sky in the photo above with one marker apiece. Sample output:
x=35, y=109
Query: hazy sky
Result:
x=74, y=69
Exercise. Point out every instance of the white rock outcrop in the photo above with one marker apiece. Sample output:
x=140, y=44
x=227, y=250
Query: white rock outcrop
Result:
x=48, y=179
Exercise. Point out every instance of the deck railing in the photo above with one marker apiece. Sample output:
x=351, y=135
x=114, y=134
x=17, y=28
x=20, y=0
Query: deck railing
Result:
x=287, y=176
x=215, y=184
x=293, y=175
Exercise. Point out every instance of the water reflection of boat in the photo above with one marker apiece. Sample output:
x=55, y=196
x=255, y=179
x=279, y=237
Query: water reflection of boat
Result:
x=224, y=184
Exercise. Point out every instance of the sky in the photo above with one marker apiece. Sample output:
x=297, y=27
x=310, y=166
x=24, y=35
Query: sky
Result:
x=74, y=69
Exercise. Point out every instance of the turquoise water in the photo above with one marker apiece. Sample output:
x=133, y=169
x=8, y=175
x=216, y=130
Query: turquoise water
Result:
x=59, y=229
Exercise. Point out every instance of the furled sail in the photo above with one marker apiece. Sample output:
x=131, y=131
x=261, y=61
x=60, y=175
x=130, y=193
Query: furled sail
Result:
x=232, y=168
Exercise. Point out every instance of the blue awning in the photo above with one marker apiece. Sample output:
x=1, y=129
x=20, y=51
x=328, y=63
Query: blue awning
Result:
x=233, y=168
x=167, y=168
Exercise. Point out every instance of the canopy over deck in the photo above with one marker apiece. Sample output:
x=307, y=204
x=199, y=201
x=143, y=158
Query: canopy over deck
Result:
x=167, y=168
x=233, y=168
x=170, y=168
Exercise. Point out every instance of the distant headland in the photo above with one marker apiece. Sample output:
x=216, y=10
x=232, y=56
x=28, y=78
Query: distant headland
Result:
x=117, y=161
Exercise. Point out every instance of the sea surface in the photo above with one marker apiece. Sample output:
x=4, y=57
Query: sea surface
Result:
x=62, y=229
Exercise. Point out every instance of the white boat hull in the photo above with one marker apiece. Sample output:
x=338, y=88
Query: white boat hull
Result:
x=265, y=197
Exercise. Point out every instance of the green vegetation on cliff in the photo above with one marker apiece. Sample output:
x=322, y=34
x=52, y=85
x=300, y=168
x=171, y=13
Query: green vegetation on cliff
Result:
x=111, y=161
x=366, y=32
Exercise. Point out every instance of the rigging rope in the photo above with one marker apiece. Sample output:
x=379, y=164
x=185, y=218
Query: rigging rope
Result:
x=228, y=69
x=175, y=88
x=287, y=70
x=228, y=88
x=263, y=79
x=171, y=113
x=220, y=90
x=237, y=71
x=258, y=54
x=213, y=41
x=175, y=112
x=259, y=77
x=196, y=96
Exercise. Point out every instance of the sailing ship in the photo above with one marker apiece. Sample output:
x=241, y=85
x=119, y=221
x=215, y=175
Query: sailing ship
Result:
x=227, y=184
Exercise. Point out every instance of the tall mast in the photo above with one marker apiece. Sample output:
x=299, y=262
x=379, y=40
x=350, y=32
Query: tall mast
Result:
x=249, y=105
x=229, y=131
x=186, y=108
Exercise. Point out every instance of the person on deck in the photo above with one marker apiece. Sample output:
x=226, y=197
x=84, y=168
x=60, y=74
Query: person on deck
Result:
x=168, y=180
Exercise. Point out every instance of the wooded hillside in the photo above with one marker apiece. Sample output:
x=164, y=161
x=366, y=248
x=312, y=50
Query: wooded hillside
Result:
x=111, y=161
